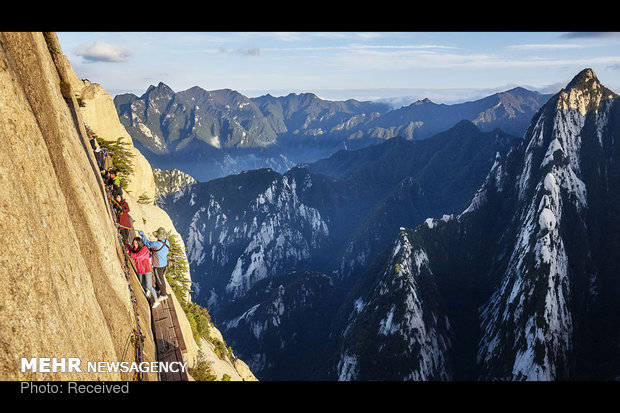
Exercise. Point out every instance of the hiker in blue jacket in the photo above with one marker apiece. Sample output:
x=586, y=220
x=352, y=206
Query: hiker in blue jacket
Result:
x=159, y=248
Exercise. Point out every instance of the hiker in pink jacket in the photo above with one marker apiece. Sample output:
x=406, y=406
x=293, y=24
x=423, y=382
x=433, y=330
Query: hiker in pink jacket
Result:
x=142, y=256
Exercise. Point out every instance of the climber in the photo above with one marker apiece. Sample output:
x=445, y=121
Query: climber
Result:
x=114, y=183
x=159, y=249
x=107, y=159
x=117, y=181
x=105, y=175
x=122, y=216
x=97, y=152
x=142, y=255
x=93, y=142
x=111, y=175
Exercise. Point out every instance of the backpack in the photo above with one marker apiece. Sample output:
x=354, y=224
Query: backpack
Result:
x=155, y=255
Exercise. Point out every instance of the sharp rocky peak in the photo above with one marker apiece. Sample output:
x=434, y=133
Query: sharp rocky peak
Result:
x=423, y=101
x=586, y=78
x=160, y=89
x=583, y=93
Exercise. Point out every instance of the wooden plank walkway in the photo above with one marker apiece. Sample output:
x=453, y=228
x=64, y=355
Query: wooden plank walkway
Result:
x=169, y=342
x=168, y=339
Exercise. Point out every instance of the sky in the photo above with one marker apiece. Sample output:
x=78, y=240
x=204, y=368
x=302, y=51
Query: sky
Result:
x=445, y=67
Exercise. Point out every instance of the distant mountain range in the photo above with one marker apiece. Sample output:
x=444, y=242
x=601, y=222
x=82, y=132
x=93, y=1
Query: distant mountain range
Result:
x=324, y=222
x=210, y=134
x=469, y=255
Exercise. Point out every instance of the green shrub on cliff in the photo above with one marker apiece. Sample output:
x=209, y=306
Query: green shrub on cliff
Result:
x=176, y=274
x=177, y=271
x=120, y=154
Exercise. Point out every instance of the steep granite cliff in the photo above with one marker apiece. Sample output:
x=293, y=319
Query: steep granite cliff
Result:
x=66, y=293
x=65, y=290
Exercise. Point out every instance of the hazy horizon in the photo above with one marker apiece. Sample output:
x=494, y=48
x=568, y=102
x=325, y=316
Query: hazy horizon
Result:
x=445, y=67
x=393, y=96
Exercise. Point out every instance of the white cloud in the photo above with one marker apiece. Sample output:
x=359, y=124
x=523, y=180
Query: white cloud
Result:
x=547, y=46
x=101, y=52
x=402, y=59
x=243, y=51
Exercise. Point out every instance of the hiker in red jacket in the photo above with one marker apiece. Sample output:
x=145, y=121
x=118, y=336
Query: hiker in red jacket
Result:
x=142, y=256
x=122, y=216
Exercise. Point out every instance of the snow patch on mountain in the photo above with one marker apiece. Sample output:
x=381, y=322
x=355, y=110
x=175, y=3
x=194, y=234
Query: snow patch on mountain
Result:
x=541, y=337
x=195, y=239
x=407, y=319
x=480, y=197
x=413, y=325
x=540, y=340
x=272, y=233
x=554, y=147
x=347, y=367
x=287, y=233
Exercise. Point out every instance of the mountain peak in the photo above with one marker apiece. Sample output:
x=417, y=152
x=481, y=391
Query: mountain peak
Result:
x=584, y=93
x=585, y=78
x=160, y=88
x=423, y=101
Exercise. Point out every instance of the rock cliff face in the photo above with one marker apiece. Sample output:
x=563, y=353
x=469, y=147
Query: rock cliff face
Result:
x=99, y=114
x=65, y=290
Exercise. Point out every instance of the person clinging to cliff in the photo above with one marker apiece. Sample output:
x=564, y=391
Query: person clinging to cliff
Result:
x=142, y=256
x=96, y=151
x=114, y=182
x=111, y=176
x=106, y=158
x=117, y=181
x=122, y=216
x=159, y=249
